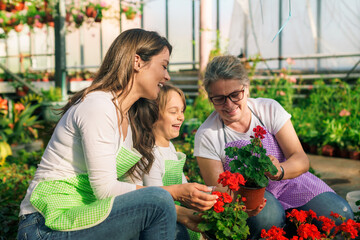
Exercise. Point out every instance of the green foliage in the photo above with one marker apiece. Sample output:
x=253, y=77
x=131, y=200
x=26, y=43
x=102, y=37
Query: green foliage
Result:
x=53, y=94
x=19, y=123
x=329, y=115
x=251, y=161
x=15, y=177
x=357, y=214
x=229, y=224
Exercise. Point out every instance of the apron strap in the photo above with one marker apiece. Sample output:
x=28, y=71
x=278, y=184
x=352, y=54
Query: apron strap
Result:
x=223, y=125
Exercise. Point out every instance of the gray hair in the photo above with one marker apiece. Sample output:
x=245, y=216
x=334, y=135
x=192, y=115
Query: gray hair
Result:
x=225, y=68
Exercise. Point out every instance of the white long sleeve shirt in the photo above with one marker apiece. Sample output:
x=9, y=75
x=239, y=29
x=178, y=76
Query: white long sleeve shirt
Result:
x=85, y=141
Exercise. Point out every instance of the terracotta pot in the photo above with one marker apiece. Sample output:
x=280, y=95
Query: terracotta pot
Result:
x=355, y=155
x=328, y=150
x=254, y=196
x=343, y=153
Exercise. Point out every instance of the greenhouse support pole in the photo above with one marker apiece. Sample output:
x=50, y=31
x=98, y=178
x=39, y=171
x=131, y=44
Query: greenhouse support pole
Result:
x=193, y=33
x=280, y=34
x=318, y=32
x=60, y=48
x=205, y=33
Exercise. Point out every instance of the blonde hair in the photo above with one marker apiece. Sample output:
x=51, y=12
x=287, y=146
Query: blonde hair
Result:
x=163, y=96
x=225, y=68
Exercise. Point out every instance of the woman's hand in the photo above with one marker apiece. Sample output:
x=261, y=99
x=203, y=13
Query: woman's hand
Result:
x=193, y=195
x=276, y=163
x=256, y=211
x=187, y=217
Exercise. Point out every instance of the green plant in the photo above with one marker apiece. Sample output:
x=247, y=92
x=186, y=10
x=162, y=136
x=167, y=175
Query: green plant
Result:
x=227, y=218
x=14, y=180
x=251, y=161
x=18, y=123
x=53, y=94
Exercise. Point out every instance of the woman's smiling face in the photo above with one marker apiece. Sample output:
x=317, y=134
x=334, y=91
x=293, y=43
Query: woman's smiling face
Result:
x=170, y=120
x=230, y=111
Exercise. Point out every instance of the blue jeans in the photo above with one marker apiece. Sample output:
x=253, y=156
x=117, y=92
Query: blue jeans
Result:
x=273, y=213
x=148, y=213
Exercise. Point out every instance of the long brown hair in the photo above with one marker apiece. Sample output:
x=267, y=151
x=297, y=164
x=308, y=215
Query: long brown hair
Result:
x=116, y=75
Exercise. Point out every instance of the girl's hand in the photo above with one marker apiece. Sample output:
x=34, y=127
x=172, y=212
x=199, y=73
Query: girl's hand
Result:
x=193, y=195
x=187, y=217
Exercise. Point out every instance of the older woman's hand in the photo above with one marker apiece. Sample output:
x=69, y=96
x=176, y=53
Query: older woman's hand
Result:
x=256, y=211
x=193, y=195
x=276, y=163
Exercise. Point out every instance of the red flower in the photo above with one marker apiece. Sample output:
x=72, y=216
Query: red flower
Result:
x=232, y=180
x=3, y=104
x=227, y=198
x=311, y=214
x=328, y=224
x=335, y=215
x=349, y=228
x=259, y=132
x=297, y=216
x=274, y=233
x=308, y=231
x=218, y=206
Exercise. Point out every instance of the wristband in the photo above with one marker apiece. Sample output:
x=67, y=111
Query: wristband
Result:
x=281, y=175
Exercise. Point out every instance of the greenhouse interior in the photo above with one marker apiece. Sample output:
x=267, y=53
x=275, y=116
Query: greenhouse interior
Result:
x=304, y=55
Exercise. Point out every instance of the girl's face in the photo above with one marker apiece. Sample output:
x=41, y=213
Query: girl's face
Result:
x=151, y=75
x=230, y=111
x=169, y=123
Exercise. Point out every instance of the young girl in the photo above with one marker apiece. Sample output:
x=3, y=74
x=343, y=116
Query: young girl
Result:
x=102, y=136
x=168, y=165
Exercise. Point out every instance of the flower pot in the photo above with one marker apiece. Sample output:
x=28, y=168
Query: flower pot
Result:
x=355, y=155
x=328, y=150
x=343, y=153
x=49, y=110
x=254, y=196
x=352, y=197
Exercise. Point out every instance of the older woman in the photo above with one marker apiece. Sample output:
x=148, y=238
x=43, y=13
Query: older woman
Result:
x=235, y=115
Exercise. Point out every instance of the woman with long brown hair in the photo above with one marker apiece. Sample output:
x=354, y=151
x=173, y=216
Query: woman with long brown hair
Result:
x=84, y=187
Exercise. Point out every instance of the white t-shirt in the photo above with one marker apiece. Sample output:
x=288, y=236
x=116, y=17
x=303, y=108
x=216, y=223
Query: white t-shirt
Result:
x=209, y=139
x=157, y=171
x=85, y=141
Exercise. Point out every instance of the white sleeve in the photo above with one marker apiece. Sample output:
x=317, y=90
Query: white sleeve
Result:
x=97, y=123
x=209, y=139
x=154, y=178
x=273, y=115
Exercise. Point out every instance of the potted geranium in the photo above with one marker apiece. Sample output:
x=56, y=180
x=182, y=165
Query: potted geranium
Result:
x=252, y=162
x=227, y=218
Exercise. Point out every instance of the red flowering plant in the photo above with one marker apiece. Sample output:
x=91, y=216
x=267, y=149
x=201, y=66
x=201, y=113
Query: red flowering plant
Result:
x=306, y=230
x=227, y=218
x=251, y=160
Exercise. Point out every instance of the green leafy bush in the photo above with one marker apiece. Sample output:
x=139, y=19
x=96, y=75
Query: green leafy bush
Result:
x=15, y=177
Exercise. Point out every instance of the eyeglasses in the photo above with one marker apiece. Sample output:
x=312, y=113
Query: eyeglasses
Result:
x=234, y=97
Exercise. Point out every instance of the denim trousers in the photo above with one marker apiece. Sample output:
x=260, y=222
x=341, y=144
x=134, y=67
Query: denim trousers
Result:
x=274, y=214
x=148, y=213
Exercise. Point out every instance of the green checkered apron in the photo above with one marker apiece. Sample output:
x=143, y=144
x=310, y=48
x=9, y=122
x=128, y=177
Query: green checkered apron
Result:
x=70, y=204
x=173, y=175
